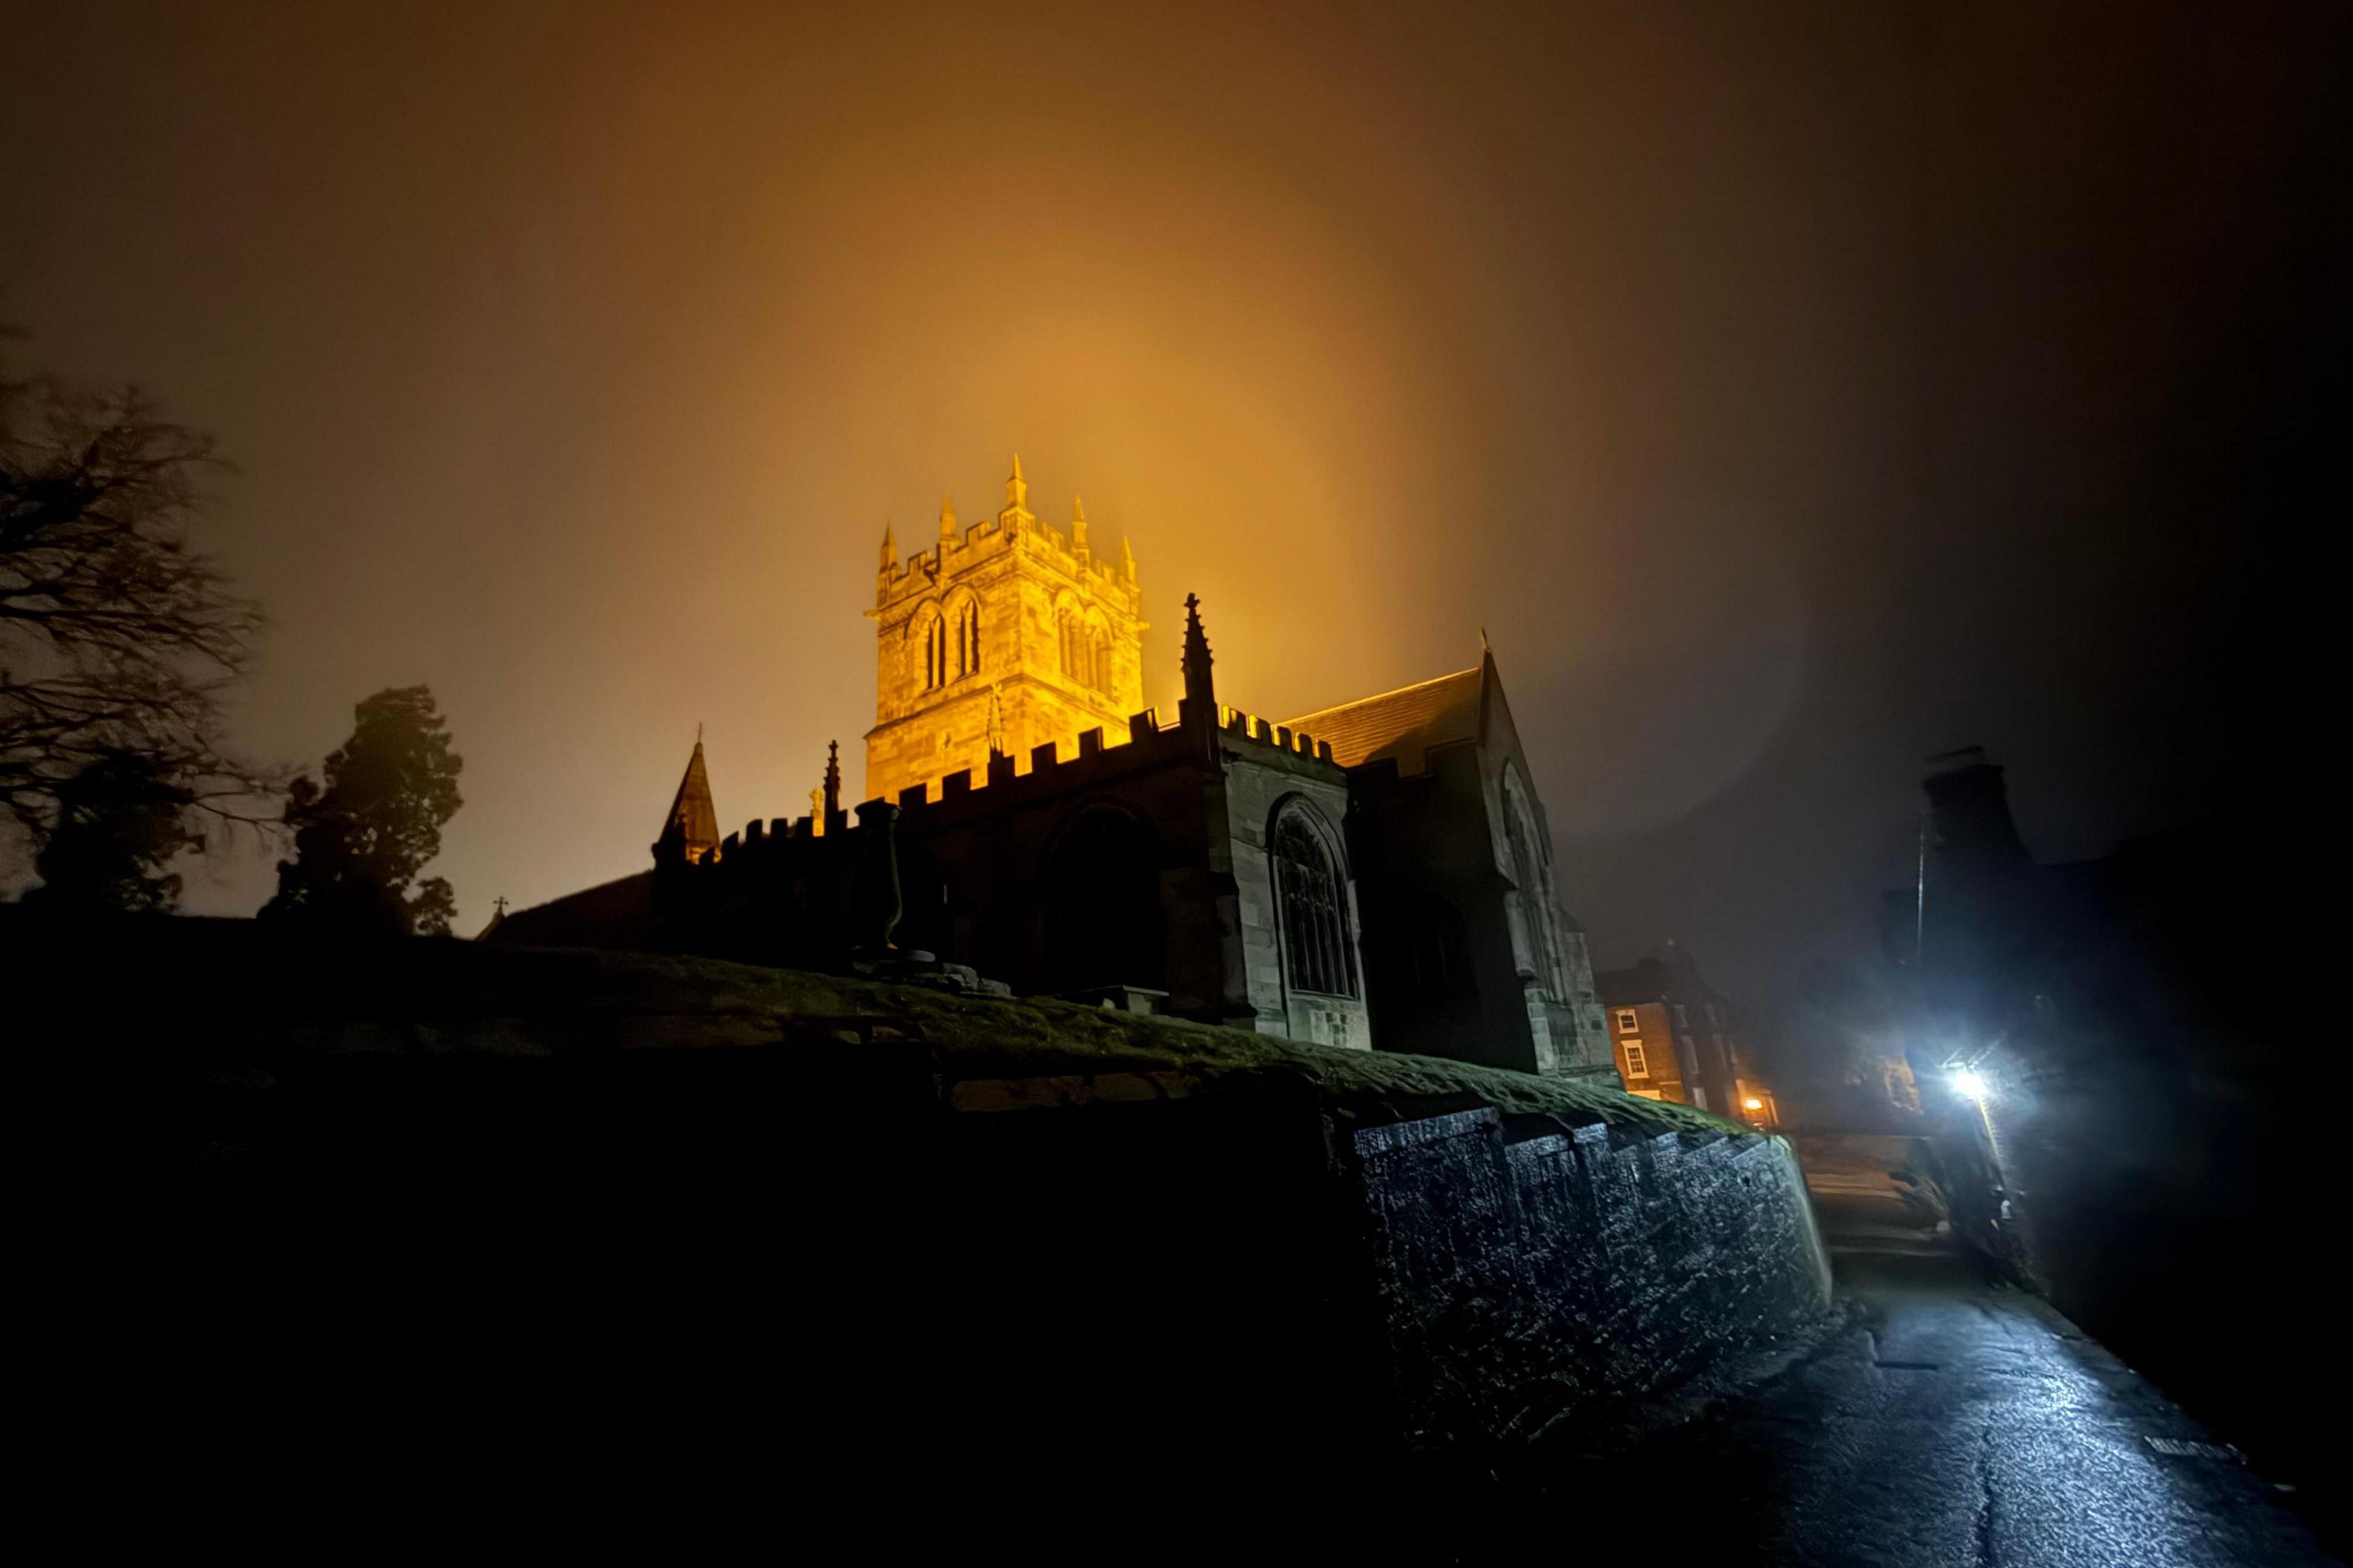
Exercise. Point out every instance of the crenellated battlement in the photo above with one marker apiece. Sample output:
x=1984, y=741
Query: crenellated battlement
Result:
x=931, y=571
x=1233, y=721
x=999, y=638
x=1046, y=769
x=774, y=844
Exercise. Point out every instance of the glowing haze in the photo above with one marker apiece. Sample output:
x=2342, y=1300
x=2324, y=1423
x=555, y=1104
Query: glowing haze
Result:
x=576, y=356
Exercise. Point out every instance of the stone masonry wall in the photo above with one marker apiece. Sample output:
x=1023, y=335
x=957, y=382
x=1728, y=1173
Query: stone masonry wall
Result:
x=1525, y=1280
x=1254, y=788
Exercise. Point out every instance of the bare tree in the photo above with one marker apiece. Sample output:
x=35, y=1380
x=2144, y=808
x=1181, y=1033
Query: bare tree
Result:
x=116, y=636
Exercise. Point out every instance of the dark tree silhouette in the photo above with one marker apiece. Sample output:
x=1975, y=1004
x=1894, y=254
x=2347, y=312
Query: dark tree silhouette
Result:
x=361, y=840
x=119, y=822
x=115, y=636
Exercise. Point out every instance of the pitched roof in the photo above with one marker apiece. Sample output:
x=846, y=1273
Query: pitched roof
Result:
x=692, y=816
x=617, y=914
x=1403, y=723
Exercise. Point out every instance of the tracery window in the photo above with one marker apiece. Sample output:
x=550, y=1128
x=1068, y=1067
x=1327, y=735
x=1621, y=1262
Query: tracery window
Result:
x=1312, y=899
x=951, y=642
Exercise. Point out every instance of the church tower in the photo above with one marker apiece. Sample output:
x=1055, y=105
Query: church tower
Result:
x=1000, y=638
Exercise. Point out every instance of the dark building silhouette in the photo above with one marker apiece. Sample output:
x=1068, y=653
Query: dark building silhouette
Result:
x=2122, y=1086
x=1474, y=957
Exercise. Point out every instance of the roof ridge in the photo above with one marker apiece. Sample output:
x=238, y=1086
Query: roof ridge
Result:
x=1393, y=692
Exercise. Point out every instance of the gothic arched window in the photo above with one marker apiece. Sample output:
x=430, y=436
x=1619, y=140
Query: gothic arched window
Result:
x=960, y=646
x=1310, y=897
x=935, y=631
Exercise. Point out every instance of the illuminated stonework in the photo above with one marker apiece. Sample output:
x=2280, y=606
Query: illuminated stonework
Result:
x=1378, y=871
x=1000, y=638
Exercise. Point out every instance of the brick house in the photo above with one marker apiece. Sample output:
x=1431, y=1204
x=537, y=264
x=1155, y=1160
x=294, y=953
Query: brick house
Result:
x=1674, y=1038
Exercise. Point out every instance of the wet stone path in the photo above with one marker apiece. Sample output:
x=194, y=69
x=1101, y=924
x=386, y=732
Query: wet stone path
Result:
x=1952, y=1421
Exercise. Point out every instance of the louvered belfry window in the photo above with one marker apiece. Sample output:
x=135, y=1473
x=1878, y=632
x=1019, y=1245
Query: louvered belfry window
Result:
x=1317, y=952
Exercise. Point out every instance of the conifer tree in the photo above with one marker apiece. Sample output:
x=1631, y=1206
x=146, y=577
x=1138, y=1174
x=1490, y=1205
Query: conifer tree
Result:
x=361, y=839
x=119, y=823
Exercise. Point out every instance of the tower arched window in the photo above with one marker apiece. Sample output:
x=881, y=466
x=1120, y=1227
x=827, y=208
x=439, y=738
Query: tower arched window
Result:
x=1099, y=659
x=935, y=628
x=960, y=645
x=1310, y=896
x=1072, y=637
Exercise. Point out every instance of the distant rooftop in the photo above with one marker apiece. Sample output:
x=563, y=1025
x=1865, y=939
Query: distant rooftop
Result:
x=1403, y=723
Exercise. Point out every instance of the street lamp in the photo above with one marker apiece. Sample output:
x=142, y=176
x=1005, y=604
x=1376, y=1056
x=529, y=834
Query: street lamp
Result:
x=1970, y=1083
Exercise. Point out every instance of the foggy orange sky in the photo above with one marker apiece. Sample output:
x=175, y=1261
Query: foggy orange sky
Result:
x=1739, y=368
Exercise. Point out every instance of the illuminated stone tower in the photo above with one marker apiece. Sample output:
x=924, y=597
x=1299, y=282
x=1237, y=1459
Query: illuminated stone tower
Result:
x=1000, y=638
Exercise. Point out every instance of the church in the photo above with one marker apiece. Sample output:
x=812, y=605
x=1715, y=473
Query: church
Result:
x=1373, y=876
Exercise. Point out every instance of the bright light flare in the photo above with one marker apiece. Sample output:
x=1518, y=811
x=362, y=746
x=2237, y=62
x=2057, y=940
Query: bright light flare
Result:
x=1753, y=1103
x=1969, y=1082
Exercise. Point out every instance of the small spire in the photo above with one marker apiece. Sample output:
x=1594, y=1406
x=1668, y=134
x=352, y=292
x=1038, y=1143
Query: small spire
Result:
x=890, y=546
x=1017, y=488
x=1126, y=561
x=832, y=777
x=1079, y=528
x=947, y=520
x=690, y=831
x=1201, y=692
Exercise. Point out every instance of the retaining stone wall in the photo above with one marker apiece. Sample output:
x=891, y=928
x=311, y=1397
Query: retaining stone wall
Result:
x=957, y=1231
x=1526, y=1279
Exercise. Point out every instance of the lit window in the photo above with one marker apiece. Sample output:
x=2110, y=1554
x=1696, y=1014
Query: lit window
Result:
x=1626, y=1024
x=1638, y=1065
